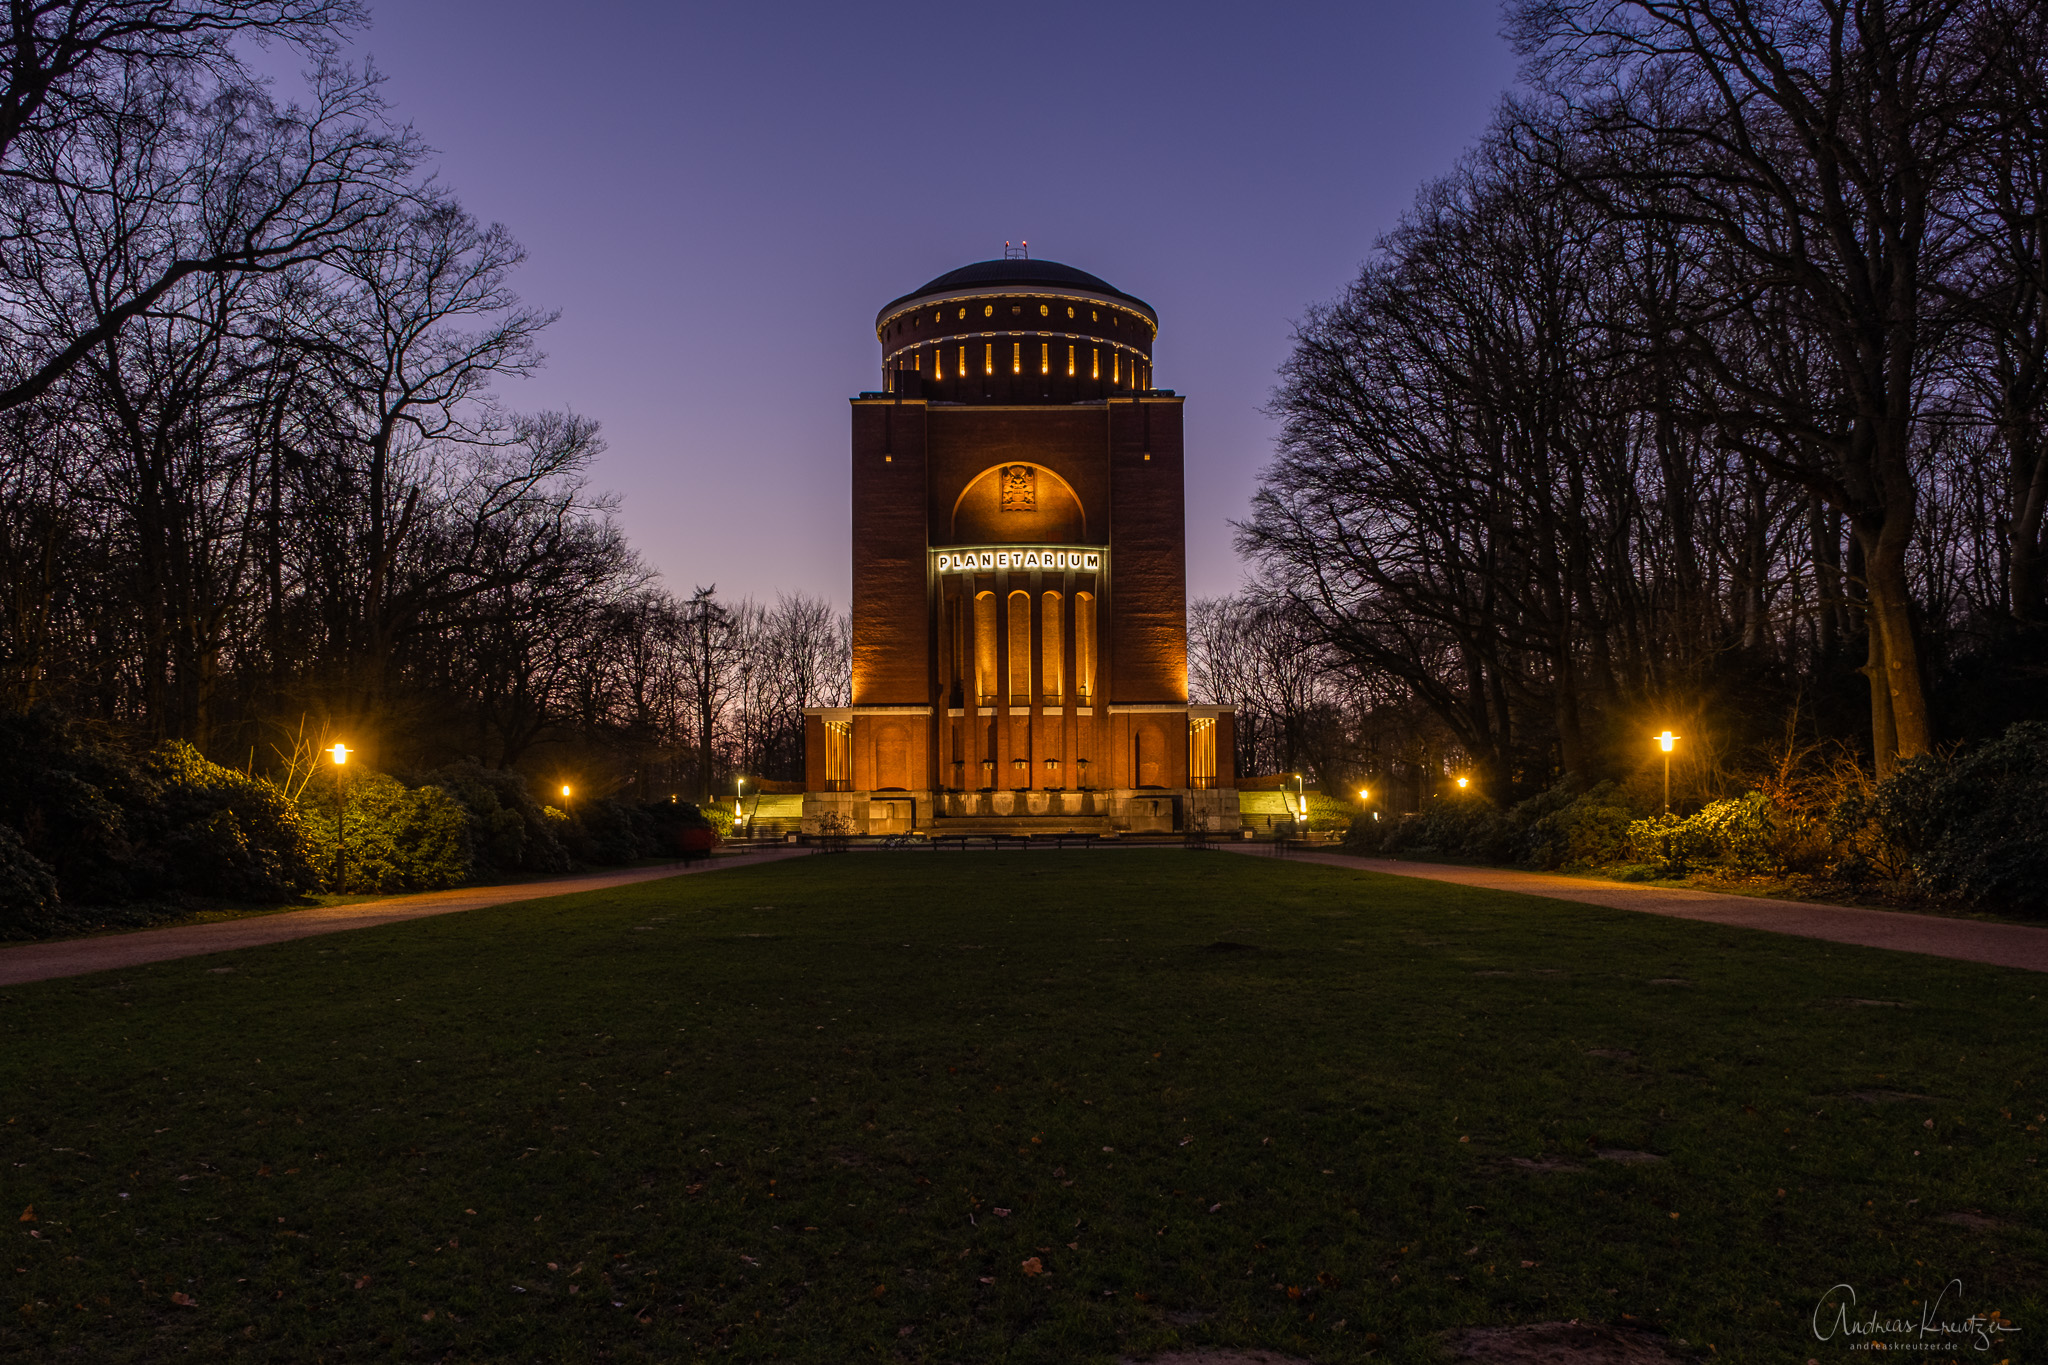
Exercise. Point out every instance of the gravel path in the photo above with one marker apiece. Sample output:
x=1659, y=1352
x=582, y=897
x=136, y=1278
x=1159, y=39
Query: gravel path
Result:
x=2002, y=945
x=78, y=956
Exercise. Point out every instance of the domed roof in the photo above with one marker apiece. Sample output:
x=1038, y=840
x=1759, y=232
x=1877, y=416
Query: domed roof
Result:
x=1026, y=274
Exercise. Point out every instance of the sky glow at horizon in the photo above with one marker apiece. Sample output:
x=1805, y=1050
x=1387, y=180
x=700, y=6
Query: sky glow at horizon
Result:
x=718, y=199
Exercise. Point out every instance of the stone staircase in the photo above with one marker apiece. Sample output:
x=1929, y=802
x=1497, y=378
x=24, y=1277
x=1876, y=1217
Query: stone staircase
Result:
x=1011, y=826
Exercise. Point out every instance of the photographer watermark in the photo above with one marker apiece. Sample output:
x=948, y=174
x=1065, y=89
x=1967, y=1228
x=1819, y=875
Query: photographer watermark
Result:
x=1938, y=1326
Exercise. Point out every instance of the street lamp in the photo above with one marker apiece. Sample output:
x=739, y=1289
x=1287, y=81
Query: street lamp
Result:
x=339, y=753
x=565, y=798
x=1464, y=782
x=1667, y=741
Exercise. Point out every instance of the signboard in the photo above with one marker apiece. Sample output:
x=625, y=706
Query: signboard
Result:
x=1017, y=557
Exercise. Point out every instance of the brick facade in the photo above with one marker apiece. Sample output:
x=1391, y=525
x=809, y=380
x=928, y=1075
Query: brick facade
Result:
x=1019, y=575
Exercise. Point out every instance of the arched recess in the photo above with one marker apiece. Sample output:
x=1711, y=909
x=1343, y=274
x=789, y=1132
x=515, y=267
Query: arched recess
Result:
x=984, y=648
x=1084, y=648
x=892, y=757
x=1058, y=518
x=1020, y=648
x=1054, y=651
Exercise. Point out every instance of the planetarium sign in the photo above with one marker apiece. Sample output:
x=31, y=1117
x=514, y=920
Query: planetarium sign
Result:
x=1054, y=557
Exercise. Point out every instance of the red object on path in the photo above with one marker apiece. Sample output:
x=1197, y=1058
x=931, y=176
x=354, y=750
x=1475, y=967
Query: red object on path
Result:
x=697, y=841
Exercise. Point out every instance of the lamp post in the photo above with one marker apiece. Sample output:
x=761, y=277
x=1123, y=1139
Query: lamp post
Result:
x=739, y=800
x=339, y=753
x=1667, y=741
x=565, y=798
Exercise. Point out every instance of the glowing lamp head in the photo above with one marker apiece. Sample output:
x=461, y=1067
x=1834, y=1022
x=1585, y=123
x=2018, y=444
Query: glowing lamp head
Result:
x=1667, y=741
x=565, y=789
x=1464, y=782
x=339, y=753
x=1364, y=794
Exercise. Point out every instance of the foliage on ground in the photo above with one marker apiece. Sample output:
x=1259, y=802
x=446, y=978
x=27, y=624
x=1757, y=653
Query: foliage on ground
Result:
x=1044, y=1107
x=104, y=825
x=97, y=834
x=1963, y=827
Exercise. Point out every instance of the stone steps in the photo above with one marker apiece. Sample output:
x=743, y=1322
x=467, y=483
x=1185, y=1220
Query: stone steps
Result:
x=1017, y=824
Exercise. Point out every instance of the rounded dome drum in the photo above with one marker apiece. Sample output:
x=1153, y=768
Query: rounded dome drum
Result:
x=1016, y=332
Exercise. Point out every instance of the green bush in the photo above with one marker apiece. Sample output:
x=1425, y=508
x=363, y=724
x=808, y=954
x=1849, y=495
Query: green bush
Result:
x=1462, y=826
x=393, y=838
x=1746, y=834
x=28, y=892
x=1744, y=831
x=218, y=832
x=509, y=830
x=66, y=793
x=1971, y=826
x=1672, y=844
x=1590, y=829
x=604, y=830
x=1365, y=834
x=119, y=828
x=1328, y=813
x=1881, y=829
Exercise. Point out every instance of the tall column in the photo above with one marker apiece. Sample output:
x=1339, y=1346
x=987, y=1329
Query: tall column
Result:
x=1037, y=747
x=948, y=625
x=1001, y=780
x=1070, y=718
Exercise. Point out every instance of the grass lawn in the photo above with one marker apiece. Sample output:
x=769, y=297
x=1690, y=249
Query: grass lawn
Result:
x=835, y=1109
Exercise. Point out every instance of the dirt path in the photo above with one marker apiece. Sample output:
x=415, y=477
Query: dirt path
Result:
x=2002, y=945
x=78, y=956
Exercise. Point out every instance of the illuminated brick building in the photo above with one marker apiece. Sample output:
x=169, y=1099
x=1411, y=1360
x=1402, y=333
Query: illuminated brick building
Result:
x=1019, y=574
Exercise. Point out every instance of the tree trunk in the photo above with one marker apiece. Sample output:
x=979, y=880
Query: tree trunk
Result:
x=1901, y=727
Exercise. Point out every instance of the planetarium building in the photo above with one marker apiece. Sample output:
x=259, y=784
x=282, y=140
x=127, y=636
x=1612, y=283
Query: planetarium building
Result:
x=1019, y=575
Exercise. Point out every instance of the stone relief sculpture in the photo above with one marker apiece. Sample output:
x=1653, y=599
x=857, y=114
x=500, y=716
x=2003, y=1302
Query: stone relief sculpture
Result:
x=1020, y=488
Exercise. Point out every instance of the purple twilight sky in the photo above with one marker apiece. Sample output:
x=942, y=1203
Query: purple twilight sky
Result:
x=718, y=198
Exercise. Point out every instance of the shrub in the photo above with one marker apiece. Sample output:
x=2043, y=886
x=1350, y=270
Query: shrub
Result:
x=604, y=830
x=1365, y=834
x=28, y=892
x=1973, y=825
x=1327, y=813
x=218, y=832
x=1589, y=829
x=1457, y=827
x=119, y=828
x=394, y=838
x=1671, y=844
x=1881, y=828
x=1743, y=832
x=64, y=792
x=509, y=831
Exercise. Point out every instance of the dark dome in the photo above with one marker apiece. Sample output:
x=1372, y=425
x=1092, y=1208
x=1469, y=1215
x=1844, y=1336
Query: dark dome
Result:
x=1022, y=273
